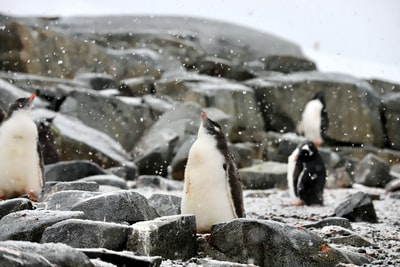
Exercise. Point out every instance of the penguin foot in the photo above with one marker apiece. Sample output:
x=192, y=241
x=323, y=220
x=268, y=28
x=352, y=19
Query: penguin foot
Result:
x=298, y=203
x=318, y=144
x=206, y=237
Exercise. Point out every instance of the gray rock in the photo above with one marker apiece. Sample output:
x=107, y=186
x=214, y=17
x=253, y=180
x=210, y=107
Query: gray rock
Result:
x=280, y=146
x=65, y=200
x=138, y=86
x=331, y=221
x=14, y=258
x=384, y=87
x=106, y=179
x=132, y=207
x=158, y=182
x=178, y=162
x=99, y=263
x=12, y=205
x=353, y=105
x=264, y=175
x=87, y=234
x=149, y=238
x=287, y=64
x=166, y=205
x=267, y=243
x=96, y=81
x=71, y=170
x=129, y=173
x=28, y=225
x=391, y=114
x=372, y=171
x=48, y=141
x=242, y=153
x=124, y=258
x=48, y=254
x=357, y=207
x=343, y=236
x=393, y=185
x=52, y=187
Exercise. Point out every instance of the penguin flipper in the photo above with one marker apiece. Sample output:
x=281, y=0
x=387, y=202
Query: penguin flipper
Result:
x=298, y=169
x=235, y=183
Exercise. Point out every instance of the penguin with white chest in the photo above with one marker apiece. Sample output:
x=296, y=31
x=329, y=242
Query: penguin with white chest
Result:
x=314, y=121
x=306, y=174
x=21, y=167
x=212, y=189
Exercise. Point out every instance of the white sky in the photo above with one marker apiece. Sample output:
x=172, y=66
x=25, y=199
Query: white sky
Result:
x=359, y=37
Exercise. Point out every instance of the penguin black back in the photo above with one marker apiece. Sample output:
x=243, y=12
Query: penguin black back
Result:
x=324, y=113
x=309, y=175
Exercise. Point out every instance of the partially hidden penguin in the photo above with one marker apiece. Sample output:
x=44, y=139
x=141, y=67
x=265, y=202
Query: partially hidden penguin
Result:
x=314, y=120
x=306, y=175
x=212, y=187
x=21, y=165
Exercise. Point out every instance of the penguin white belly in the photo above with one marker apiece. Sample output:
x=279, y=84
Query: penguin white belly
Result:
x=19, y=159
x=206, y=192
x=291, y=167
x=311, y=121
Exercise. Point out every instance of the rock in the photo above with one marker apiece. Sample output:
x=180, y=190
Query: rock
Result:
x=132, y=207
x=353, y=106
x=122, y=121
x=178, y=162
x=148, y=238
x=97, y=81
x=339, y=178
x=280, y=146
x=87, y=234
x=343, y=236
x=393, y=185
x=138, y=86
x=71, y=170
x=46, y=254
x=28, y=225
x=384, y=87
x=52, y=187
x=65, y=200
x=242, y=153
x=129, y=173
x=287, y=64
x=331, y=221
x=264, y=175
x=106, y=179
x=158, y=182
x=12, y=205
x=267, y=243
x=357, y=207
x=124, y=258
x=372, y=171
x=391, y=115
x=12, y=258
x=165, y=205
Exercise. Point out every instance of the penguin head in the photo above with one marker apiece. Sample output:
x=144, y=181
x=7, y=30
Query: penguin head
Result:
x=307, y=151
x=320, y=96
x=211, y=127
x=21, y=103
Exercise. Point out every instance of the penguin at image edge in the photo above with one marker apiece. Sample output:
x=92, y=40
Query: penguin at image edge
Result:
x=314, y=120
x=306, y=174
x=21, y=165
x=212, y=188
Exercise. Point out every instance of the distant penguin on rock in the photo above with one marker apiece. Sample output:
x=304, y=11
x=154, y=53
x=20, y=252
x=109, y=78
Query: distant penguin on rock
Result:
x=314, y=120
x=212, y=189
x=21, y=167
x=306, y=174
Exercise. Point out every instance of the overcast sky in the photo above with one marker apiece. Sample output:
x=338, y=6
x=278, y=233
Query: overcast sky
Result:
x=360, y=37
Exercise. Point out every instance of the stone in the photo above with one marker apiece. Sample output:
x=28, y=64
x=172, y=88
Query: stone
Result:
x=391, y=115
x=384, y=87
x=65, y=200
x=331, y=221
x=339, y=235
x=129, y=173
x=357, y=208
x=149, y=238
x=52, y=187
x=178, y=162
x=264, y=175
x=280, y=146
x=165, y=205
x=132, y=207
x=158, y=182
x=46, y=254
x=71, y=170
x=372, y=171
x=96, y=81
x=287, y=63
x=87, y=234
x=106, y=179
x=28, y=225
x=123, y=258
x=393, y=185
x=12, y=258
x=268, y=243
x=12, y=205
x=138, y=86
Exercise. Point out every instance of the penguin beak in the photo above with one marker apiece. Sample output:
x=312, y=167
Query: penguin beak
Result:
x=32, y=97
x=203, y=115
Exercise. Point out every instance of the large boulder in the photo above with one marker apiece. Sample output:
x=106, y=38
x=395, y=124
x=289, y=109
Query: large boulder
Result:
x=391, y=114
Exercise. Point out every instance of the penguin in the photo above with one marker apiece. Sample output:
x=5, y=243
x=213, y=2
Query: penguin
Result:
x=306, y=174
x=314, y=120
x=212, y=185
x=21, y=165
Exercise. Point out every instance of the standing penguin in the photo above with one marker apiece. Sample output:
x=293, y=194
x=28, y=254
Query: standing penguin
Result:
x=212, y=189
x=306, y=174
x=314, y=120
x=21, y=168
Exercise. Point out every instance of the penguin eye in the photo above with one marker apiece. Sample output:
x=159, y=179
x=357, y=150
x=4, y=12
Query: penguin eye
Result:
x=217, y=129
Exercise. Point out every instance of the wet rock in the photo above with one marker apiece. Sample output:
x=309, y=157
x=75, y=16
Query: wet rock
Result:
x=178, y=162
x=332, y=221
x=138, y=86
x=158, y=182
x=372, y=171
x=264, y=175
x=65, y=200
x=242, y=153
x=128, y=172
x=343, y=236
x=384, y=87
x=148, y=238
x=96, y=81
x=287, y=64
x=71, y=170
x=357, y=207
x=28, y=225
x=124, y=258
x=353, y=106
x=339, y=178
x=12, y=205
x=267, y=243
x=166, y=205
x=46, y=254
x=12, y=258
x=391, y=114
x=106, y=179
x=393, y=185
x=132, y=207
x=87, y=234
x=280, y=146
x=52, y=187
